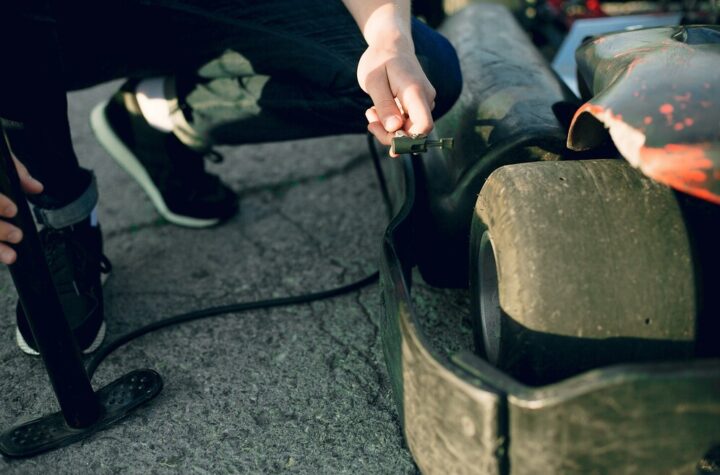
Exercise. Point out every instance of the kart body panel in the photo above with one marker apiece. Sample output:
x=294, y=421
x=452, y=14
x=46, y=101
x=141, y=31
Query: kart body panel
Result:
x=564, y=61
x=656, y=91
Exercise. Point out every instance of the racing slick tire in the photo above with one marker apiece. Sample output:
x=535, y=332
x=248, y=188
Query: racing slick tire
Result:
x=577, y=265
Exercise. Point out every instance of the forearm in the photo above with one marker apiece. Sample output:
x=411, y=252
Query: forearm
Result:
x=382, y=22
x=389, y=72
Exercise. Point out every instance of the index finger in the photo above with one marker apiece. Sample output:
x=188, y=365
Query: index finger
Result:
x=387, y=110
x=8, y=209
x=416, y=105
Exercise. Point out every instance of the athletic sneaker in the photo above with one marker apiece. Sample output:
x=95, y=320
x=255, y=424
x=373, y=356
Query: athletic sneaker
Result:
x=74, y=256
x=172, y=174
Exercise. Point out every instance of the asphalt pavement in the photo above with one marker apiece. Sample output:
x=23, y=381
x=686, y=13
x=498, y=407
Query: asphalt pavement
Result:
x=300, y=389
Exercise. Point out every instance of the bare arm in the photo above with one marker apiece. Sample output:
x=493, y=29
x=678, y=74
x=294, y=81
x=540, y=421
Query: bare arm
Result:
x=389, y=70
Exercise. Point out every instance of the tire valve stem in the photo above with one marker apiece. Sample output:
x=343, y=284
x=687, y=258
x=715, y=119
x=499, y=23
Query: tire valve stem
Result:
x=403, y=143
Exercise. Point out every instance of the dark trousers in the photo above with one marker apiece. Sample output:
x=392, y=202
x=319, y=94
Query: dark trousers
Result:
x=245, y=70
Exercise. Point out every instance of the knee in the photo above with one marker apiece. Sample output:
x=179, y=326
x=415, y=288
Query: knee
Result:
x=441, y=65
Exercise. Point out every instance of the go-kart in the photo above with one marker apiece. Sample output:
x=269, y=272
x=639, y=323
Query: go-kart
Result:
x=586, y=231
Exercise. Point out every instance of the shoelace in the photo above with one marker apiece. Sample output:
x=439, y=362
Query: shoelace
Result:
x=56, y=244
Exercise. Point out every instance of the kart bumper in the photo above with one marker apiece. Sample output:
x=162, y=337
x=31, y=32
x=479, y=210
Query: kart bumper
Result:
x=461, y=415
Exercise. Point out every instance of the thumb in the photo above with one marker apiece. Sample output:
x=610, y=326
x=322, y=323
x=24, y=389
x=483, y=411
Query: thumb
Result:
x=28, y=183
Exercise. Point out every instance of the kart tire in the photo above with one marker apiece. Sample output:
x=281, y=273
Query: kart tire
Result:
x=577, y=265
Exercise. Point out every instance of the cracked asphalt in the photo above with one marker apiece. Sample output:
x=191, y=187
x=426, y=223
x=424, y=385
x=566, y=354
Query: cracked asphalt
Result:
x=298, y=389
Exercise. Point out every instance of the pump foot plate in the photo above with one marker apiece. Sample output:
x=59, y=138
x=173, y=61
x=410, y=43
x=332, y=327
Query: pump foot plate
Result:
x=49, y=432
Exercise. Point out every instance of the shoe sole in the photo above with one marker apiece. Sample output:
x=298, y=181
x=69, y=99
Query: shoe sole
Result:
x=28, y=350
x=129, y=162
x=99, y=338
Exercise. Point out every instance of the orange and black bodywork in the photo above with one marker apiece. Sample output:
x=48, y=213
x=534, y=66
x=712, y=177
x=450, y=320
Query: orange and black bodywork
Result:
x=459, y=413
x=657, y=93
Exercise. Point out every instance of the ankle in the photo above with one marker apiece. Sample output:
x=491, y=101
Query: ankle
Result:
x=78, y=213
x=154, y=105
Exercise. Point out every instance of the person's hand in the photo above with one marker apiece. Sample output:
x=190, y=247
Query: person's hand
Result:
x=8, y=209
x=402, y=96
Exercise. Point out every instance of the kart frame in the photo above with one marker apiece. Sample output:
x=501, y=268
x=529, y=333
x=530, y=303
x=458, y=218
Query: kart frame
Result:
x=459, y=413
